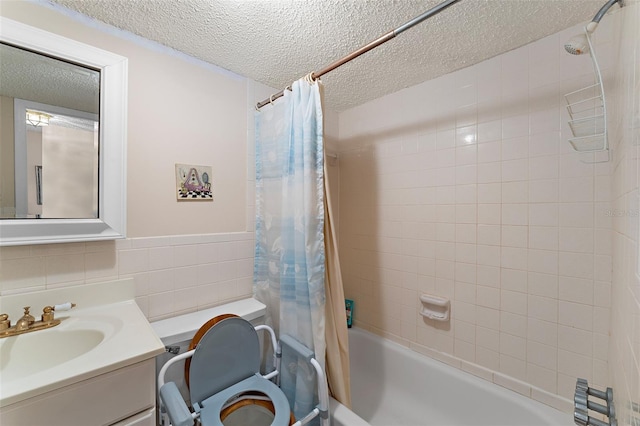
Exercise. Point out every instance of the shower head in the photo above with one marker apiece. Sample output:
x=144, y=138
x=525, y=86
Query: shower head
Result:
x=577, y=45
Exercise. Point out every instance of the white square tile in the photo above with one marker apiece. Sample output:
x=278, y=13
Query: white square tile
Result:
x=542, y=331
x=540, y=284
x=515, y=192
x=515, y=214
x=22, y=273
x=488, y=255
x=575, y=315
x=543, y=261
x=466, y=174
x=571, y=166
x=466, y=213
x=101, y=264
x=544, y=191
x=515, y=148
x=575, y=190
x=489, y=172
x=543, y=237
x=488, y=297
x=578, y=215
x=488, y=276
x=575, y=340
x=513, y=301
x=578, y=265
x=513, y=280
x=465, y=233
x=489, y=152
x=545, y=121
x=446, y=139
x=577, y=239
x=161, y=258
x=513, y=324
x=466, y=135
x=543, y=308
x=515, y=126
x=133, y=261
x=542, y=355
x=515, y=170
x=489, y=214
x=467, y=114
x=544, y=144
x=513, y=367
x=489, y=235
x=514, y=236
x=545, y=167
x=467, y=194
x=466, y=155
x=490, y=131
x=489, y=193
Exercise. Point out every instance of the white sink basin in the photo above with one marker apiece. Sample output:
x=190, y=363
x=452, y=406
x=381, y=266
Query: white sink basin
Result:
x=34, y=352
x=92, y=339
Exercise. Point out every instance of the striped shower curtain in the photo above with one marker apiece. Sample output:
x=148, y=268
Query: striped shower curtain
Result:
x=289, y=274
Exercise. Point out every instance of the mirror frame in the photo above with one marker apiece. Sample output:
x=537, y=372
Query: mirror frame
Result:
x=112, y=198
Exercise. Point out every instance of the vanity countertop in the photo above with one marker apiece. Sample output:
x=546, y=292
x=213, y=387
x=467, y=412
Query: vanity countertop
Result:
x=105, y=332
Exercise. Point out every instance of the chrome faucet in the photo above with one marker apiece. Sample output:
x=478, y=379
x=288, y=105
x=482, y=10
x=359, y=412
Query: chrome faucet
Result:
x=27, y=323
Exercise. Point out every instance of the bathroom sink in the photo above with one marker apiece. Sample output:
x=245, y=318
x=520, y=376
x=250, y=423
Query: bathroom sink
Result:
x=105, y=332
x=34, y=352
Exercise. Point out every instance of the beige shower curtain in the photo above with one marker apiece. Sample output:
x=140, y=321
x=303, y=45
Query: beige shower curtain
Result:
x=337, y=358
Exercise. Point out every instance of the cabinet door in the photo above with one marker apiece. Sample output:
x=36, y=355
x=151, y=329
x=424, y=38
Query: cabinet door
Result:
x=145, y=418
x=101, y=400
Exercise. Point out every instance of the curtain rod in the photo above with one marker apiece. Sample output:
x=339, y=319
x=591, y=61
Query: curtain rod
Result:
x=364, y=49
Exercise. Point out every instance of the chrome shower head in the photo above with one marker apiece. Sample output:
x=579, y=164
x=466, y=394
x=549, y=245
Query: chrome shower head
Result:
x=577, y=45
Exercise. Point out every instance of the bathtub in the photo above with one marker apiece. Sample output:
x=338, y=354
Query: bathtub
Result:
x=393, y=385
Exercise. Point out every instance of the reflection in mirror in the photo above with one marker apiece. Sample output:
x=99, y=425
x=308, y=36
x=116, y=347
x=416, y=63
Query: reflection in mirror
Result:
x=63, y=134
x=55, y=137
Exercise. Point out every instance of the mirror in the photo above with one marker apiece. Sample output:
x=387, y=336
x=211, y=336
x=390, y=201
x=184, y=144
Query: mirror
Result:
x=63, y=139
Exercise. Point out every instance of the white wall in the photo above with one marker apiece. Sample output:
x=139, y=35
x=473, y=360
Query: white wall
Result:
x=183, y=256
x=180, y=111
x=465, y=187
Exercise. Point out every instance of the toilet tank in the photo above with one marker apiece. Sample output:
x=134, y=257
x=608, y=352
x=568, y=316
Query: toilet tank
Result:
x=176, y=334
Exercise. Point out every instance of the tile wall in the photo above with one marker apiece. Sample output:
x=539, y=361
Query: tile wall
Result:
x=173, y=274
x=624, y=353
x=465, y=187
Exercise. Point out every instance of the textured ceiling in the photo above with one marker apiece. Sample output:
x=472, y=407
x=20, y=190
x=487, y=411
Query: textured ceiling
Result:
x=34, y=77
x=278, y=41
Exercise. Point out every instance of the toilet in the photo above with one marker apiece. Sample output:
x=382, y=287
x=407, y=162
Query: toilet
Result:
x=176, y=334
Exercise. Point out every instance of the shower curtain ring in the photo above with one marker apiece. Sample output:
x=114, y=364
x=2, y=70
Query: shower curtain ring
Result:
x=271, y=99
x=310, y=78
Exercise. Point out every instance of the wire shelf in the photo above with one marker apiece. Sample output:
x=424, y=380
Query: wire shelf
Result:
x=588, y=114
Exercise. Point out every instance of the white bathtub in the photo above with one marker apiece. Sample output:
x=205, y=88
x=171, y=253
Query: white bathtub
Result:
x=394, y=386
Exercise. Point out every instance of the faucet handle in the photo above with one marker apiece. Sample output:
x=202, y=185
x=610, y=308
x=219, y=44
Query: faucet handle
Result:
x=5, y=322
x=47, y=311
x=63, y=306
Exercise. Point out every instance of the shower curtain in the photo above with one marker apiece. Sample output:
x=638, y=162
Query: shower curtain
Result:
x=297, y=270
x=289, y=275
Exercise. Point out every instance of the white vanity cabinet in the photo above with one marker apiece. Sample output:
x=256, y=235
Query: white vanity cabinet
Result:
x=97, y=367
x=122, y=397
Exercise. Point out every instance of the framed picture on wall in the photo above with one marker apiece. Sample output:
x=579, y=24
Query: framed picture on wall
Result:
x=193, y=183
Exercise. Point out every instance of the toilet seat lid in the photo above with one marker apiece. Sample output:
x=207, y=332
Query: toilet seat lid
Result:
x=227, y=354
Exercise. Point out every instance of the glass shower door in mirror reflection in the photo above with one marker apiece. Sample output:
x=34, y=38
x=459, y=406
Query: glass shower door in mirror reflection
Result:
x=49, y=137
